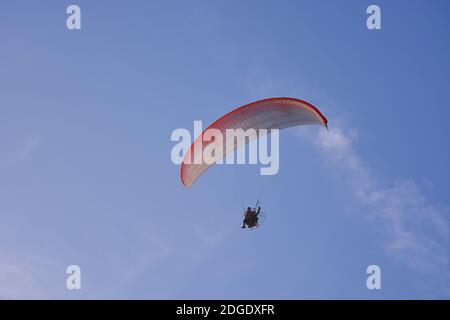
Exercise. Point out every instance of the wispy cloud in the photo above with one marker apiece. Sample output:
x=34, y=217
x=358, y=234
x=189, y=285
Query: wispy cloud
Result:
x=27, y=147
x=416, y=231
x=18, y=279
x=208, y=238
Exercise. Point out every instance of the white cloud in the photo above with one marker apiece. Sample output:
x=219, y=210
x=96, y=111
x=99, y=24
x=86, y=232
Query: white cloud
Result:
x=416, y=231
x=18, y=279
x=30, y=144
x=208, y=238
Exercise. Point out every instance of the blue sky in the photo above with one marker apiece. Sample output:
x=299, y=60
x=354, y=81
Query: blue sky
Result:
x=87, y=179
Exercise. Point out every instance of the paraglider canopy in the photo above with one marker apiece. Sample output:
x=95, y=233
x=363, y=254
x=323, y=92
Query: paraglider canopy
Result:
x=272, y=113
